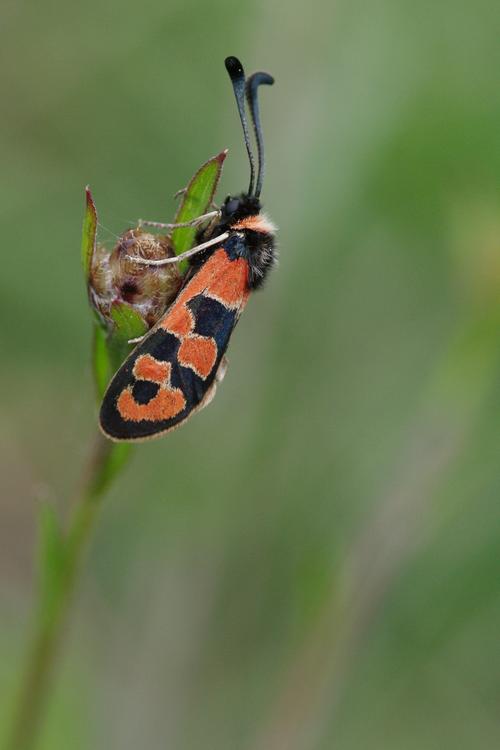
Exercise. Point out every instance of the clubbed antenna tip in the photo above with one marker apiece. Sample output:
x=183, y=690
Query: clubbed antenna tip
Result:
x=237, y=76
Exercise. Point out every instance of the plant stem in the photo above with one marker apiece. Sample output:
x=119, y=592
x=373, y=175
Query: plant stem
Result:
x=106, y=459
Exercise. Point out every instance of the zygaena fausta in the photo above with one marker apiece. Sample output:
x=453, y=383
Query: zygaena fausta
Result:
x=173, y=371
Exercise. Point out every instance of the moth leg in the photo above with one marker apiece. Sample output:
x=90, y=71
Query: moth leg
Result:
x=193, y=223
x=179, y=258
x=219, y=377
x=208, y=397
x=221, y=371
x=137, y=340
x=213, y=222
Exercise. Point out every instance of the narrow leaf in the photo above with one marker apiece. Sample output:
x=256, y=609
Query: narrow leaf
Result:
x=88, y=232
x=109, y=351
x=101, y=360
x=197, y=201
x=111, y=347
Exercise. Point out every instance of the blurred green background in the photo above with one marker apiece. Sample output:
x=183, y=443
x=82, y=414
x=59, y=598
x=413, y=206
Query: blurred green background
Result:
x=312, y=562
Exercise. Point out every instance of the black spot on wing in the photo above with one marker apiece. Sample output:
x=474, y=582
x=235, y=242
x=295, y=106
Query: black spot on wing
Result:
x=161, y=345
x=143, y=391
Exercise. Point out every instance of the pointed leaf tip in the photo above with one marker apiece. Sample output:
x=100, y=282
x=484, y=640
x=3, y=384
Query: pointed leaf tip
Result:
x=197, y=200
x=89, y=232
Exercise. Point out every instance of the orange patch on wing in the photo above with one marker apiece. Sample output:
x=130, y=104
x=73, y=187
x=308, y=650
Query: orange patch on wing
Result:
x=179, y=322
x=230, y=287
x=149, y=368
x=167, y=403
x=199, y=353
x=212, y=269
x=221, y=278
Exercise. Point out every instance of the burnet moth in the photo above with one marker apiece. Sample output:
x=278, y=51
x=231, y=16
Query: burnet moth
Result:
x=174, y=370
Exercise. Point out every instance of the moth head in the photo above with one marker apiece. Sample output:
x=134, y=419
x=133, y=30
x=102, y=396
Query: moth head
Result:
x=239, y=207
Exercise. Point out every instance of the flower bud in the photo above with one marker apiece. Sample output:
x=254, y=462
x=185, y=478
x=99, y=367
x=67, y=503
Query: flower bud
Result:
x=114, y=278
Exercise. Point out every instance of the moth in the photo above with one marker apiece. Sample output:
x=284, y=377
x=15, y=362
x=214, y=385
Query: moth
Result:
x=174, y=370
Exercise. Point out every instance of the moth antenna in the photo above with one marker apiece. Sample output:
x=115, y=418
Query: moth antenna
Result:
x=237, y=76
x=252, y=85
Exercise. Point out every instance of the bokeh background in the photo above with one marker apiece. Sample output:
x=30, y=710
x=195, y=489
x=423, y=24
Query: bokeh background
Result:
x=312, y=562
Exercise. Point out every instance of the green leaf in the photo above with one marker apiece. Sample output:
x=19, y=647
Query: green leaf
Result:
x=51, y=553
x=128, y=325
x=110, y=348
x=89, y=232
x=197, y=200
x=128, y=322
x=101, y=359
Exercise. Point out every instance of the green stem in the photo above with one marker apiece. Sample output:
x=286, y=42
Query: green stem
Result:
x=49, y=630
